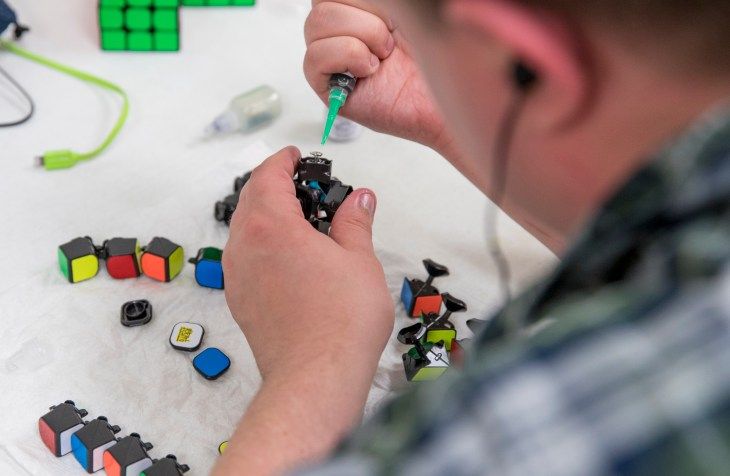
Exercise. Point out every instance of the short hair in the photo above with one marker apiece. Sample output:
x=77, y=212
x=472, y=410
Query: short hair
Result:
x=678, y=34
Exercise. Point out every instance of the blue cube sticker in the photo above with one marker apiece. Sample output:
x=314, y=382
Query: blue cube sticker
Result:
x=211, y=363
x=406, y=295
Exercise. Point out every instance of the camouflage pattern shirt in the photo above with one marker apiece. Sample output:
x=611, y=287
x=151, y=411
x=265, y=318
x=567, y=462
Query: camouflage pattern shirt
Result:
x=622, y=365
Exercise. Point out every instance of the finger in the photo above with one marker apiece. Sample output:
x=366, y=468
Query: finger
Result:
x=276, y=172
x=331, y=19
x=271, y=185
x=362, y=5
x=337, y=55
x=353, y=222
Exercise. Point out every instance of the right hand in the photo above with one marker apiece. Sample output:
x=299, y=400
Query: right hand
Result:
x=391, y=95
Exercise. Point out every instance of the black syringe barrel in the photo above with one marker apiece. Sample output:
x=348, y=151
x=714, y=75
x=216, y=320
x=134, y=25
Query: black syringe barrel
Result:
x=345, y=81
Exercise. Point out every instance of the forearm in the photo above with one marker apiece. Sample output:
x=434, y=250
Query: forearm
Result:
x=297, y=419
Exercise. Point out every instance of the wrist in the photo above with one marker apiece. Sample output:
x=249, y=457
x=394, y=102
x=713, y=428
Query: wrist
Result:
x=446, y=146
x=297, y=417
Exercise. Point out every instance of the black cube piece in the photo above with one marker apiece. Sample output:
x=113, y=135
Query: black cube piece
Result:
x=89, y=443
x=224, y=209
x=167, y=466
x=136, y=313
x=240, y=182
x=335, y=196
x=57, y=426
x=309, y=199
x=128, y=457
x=314, y=168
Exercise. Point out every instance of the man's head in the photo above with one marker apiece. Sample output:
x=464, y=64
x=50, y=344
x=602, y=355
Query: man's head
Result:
x=617, y=80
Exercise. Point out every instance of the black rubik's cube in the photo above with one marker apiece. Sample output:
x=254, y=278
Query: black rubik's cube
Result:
x=89, y=443
x=139, y=25
x=167, y=466
x=128, y=457
x=218, y=3
x=57, y=426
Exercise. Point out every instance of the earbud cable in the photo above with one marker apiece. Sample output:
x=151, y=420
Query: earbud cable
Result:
x=500, y=155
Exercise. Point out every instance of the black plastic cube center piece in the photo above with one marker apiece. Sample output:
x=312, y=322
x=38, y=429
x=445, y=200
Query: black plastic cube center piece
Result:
x=136, y=313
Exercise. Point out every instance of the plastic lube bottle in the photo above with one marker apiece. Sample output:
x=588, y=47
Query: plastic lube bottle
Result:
x=248, y=111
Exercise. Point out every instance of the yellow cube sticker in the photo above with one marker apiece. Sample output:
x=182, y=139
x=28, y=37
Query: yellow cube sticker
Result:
x=84, y=268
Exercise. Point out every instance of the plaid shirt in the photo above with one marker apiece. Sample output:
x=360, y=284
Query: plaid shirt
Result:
x=623, y=363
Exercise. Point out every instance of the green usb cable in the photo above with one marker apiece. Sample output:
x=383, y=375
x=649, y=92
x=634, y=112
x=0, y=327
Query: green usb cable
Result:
x=63, y=159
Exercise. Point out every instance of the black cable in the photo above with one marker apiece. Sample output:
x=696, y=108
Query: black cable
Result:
x=500, y=154
x=31, y=105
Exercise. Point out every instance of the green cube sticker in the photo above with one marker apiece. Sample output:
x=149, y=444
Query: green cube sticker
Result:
x=193, y=3
x=113, y=40
x=63, y=263
x=215, y=254
x=139, y=19
x=139, y=3
x=111, y=18
x=244, y=2
x=167, y=41
x=165, y=19
x=140, y=41
x=166, y=3
x=112, y=3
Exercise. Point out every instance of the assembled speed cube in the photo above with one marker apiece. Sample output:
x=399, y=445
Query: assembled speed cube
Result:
x=89, y=443
x=78, y=259
x=421, y=297
x=122, y=257
x=208, y=267
x=139, y=25
x=440, y=328
x=162, y=259
x=167, y=466
x=319, y=194
x=57, y=426
x=128, y=457
x=218, y=3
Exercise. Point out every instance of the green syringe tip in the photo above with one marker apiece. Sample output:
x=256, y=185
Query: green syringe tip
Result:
x=328, y=127
x=337, y=100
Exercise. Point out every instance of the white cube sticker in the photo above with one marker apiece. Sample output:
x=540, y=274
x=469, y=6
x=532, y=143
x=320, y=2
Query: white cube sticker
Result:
x=187, y=336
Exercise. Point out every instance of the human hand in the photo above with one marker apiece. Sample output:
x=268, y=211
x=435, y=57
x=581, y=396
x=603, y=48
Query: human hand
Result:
x=391, y=95
x=303, y=298
x=316, y=312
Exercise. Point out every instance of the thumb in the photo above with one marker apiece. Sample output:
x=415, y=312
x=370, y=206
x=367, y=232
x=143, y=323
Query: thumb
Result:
x=352, y=226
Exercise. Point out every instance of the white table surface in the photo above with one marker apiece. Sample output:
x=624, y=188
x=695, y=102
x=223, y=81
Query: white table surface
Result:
x=63, y=341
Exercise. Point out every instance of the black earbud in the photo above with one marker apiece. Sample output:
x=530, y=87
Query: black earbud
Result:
x=523, y=76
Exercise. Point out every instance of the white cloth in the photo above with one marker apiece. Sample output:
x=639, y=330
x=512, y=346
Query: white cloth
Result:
x=62, y=341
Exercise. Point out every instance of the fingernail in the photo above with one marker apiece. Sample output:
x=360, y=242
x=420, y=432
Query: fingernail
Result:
x=366, y=201
x=390, y=44
x=374, y=60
